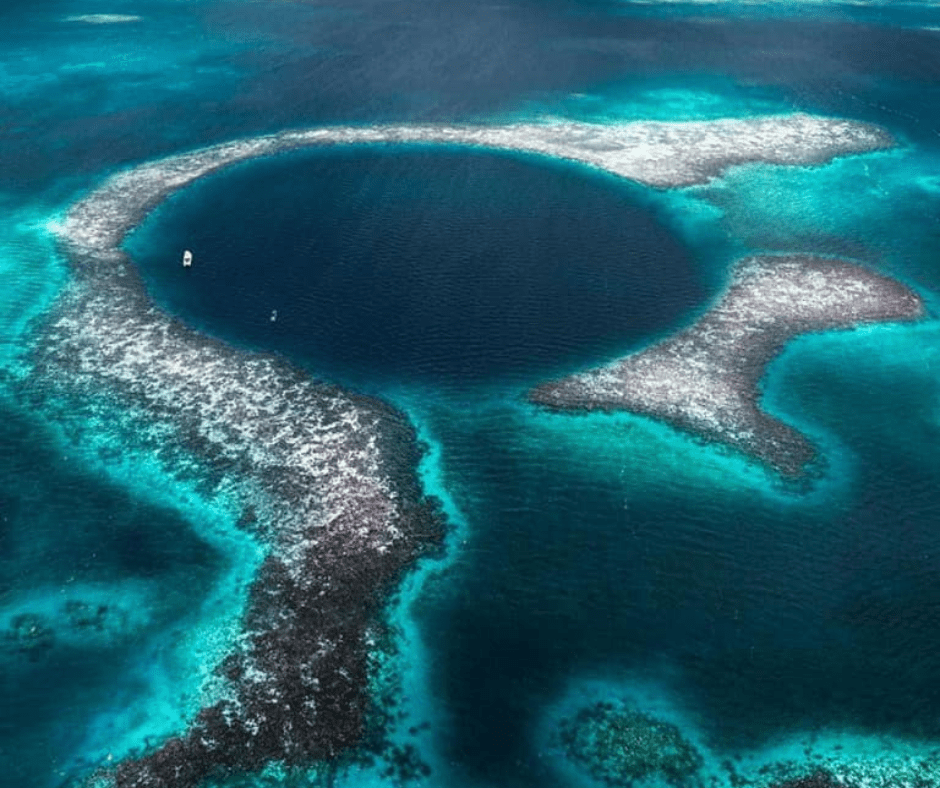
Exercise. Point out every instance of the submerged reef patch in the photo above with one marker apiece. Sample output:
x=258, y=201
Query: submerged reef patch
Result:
x=326, y=478
x=620, y=738
x=817, y=779
x=86, y=617
x=705, y=379
x=883, y=767
x=28, y=634
x=619, y=746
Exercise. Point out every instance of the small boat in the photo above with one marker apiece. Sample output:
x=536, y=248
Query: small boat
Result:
x=273, y=315
x=187, y=259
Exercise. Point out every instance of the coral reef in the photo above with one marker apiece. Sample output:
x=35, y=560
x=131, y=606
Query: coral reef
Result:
x=705, y=378
x=326, y=478
x=619, y=746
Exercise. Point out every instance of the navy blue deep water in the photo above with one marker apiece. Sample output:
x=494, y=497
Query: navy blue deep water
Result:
x=590, y=556
x=427, y=265
x=766, y=622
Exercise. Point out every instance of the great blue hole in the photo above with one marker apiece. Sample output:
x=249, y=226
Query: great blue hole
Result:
x=403, y=264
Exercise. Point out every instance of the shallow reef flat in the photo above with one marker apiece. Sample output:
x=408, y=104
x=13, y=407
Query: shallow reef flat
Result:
x=705, y=379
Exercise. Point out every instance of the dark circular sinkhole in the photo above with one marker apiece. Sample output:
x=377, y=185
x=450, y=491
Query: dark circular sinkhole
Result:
x=403, y=264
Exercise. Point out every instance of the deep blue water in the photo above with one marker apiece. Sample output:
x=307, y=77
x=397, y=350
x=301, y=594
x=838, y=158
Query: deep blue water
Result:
x=448, y=280
x=766, y=621
x=435, y=266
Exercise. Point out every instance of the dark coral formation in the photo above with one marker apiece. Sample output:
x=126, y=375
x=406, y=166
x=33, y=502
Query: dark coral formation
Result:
x=298, y=685
x=705, y=379
x=35, y=635
x=619, y=746
x=818, y=779
x=29, y=635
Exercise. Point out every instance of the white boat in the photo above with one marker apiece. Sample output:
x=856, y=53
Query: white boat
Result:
x=187, y=259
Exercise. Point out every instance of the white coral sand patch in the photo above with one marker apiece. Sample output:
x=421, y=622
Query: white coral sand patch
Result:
x=103, y=19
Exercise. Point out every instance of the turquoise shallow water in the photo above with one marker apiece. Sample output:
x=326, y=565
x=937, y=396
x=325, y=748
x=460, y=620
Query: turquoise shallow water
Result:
x=590, y=556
